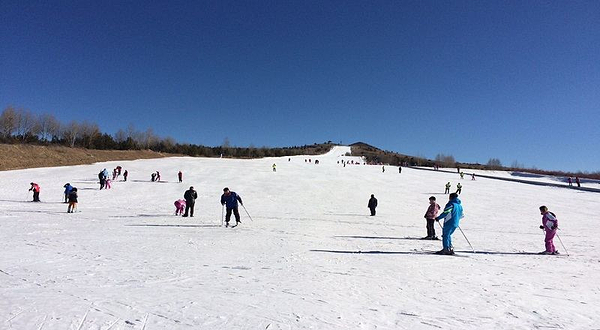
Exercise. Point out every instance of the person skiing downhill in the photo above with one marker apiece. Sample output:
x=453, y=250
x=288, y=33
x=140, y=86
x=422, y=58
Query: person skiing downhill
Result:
x=372, y=204
x=36, y=191
x=452, y=214
x=432, y=212
x=230, y=199
x=550, y=226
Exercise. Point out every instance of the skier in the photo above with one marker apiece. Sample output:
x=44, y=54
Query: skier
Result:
x=36, y=191
x=458, y=188
x=382, y=169
x=125, y=175
x=179, y=206
x=274, y=167
x=157, y=176
x=452, y=213
x=577, y=181
x=105, y=173
x=372, y=204
x=107, y=183
x=570, y=181
x=230, y=200
x=68, y=188
x=114, y=176
x=153, y=177
x=399, y=169
x=432, y=212
x=448, y=185
x=180, y=176
x=462, y=175
x=72, y=201
x=550, y=226
x=190, y=199
x=119, y=168
x=472, y=176
x=102, y=179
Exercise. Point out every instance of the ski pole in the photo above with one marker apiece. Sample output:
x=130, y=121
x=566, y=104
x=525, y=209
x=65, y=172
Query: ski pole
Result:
x=561, y=243
x=247, y=212
x=467, y=239
x=222, y=214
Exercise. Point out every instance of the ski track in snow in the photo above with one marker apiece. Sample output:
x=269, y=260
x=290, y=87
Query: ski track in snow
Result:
x=311, y=258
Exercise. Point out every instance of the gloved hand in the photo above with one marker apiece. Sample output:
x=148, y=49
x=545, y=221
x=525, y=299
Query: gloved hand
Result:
x=541, y=227
x=554, y=227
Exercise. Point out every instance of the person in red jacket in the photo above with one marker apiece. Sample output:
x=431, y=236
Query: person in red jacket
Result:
x=36, y=191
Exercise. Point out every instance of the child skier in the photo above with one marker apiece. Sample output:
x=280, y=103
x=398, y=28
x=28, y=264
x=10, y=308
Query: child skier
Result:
x=550, y=226
x=448, y=185
x=72, y=200
x=179, y=206
x=458, y=188
x=432, y=212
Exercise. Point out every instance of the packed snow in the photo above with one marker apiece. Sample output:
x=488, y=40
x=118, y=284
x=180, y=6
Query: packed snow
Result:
x=306, y=256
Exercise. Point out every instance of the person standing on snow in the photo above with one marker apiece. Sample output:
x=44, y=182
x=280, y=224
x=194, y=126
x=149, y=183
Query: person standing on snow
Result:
x=577, y=181
x=72, y=201
x=36, y=191
x=452, y=214
x=102, y=179
x=550, y=226
x=190, y=199
x=458, y=188
x=448, y=185
x=372, y=204
x=432, y=212
x=125, y=175
x=68, y=189
x=230, y=199
x=274, y=167
x=180, y=176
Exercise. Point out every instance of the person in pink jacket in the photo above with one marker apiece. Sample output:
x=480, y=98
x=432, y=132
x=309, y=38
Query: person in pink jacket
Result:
x=179, y=206
x=432, y=212
x=550, y=226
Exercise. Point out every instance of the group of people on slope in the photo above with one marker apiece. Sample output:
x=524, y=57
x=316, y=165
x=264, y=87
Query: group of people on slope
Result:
x=453, y=212
x=229, y=200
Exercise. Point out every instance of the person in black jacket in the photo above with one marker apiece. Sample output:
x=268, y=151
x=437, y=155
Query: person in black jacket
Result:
x=72, y=200
x=190, y=199
x=372, y=204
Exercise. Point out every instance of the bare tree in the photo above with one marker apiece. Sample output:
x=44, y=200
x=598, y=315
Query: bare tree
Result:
x=27, y=123
x=494, y=163
x=120, y=136
x=48, y=126
x=89, y=132
x=8, y=122
x=71, y=132
x=446, y=160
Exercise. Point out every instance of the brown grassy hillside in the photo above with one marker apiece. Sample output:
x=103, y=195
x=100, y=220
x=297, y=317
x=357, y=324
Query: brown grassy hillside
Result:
x=20, y=156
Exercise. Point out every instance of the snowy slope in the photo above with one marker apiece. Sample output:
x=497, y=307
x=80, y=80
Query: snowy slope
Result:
x=311, y=258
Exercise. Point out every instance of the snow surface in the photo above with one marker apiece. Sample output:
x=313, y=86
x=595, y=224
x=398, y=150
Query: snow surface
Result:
x=310, y=258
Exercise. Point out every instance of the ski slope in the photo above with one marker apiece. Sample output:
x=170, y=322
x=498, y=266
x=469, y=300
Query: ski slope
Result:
x=310, y=258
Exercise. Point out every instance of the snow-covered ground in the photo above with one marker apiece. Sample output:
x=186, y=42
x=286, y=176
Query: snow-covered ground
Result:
x=310, y=258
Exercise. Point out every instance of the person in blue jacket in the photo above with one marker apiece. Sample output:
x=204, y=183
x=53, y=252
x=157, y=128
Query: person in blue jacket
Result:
x=68, y=189
x=452, y=213
x=230, y=200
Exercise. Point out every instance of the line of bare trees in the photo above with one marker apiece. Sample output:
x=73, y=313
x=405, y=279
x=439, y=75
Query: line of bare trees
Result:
x=19, y=125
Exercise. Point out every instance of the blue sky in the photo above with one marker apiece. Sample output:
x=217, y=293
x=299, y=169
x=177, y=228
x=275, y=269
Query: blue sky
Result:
x=514, y=80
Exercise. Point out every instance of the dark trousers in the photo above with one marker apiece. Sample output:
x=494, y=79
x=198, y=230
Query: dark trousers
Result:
x=430, y=228
x=372, y=210
x=189, y=208
x=36, y=196
x=235, y=212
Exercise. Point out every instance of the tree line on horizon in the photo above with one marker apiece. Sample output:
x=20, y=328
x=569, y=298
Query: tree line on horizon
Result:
x=18, y=125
